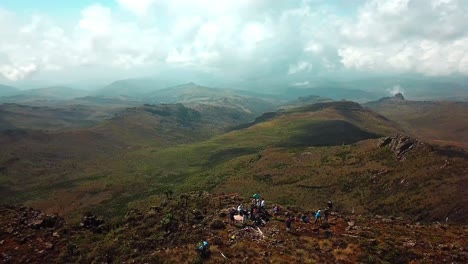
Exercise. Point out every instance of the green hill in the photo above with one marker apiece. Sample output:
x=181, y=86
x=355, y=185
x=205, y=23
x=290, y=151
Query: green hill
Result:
x=296, y=157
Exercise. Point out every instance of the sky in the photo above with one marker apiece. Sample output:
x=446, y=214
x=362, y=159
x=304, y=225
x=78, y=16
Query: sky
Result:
x=248, y=40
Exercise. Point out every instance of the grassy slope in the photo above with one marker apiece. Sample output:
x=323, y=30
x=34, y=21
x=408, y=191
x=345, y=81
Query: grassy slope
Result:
x=203, y=166
x=267, y=158
x=48, y=166
x=283, y=159
x=442, y=123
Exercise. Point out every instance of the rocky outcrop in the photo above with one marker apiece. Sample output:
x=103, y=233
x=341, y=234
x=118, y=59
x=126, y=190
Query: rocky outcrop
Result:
x=28, y=235
x=401, y=145
x=93, y=223
x=399, y=96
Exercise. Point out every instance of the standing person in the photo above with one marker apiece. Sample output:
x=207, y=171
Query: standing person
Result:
x=231, y=215
x=263, y=204
x=317, y=216
x=288, y=223
x=245, y=216
x=330, y=205
x=326, y=212
x=275, y=209
x=240, y=209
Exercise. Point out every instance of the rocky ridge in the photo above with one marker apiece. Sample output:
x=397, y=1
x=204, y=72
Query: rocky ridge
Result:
x=167, y=231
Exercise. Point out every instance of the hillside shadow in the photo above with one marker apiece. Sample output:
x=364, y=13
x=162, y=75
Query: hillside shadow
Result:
x=452, y=152
x=329, y=133
x=228, y=154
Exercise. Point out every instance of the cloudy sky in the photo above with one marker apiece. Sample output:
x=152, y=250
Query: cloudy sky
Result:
x=244, y=39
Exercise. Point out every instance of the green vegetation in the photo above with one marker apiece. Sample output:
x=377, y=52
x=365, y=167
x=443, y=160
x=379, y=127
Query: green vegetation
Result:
x=300, y=157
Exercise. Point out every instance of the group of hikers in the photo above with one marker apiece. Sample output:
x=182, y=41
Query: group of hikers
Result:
x=320, y=217
x=257, y=213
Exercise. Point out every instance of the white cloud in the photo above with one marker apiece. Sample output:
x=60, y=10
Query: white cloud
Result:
x=139, y=7
x=395, y=89
x=304, y=83
x=15, y=73
x=301, y=66
x=96, y=19
x=245, y=39
x=407, y=36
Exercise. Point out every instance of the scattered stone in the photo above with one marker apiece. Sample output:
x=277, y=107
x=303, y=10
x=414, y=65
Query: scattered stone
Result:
x=409, y=244
x=48, y=245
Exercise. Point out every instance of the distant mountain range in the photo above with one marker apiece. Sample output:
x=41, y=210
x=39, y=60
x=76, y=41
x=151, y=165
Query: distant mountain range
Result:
x=6, y=90
x=153, y=90
x=43, y=94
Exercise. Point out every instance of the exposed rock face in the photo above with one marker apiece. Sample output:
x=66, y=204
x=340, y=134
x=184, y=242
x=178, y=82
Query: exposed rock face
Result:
x=401, y=145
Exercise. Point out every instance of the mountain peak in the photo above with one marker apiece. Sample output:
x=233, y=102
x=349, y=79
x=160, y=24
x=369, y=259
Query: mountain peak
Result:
x=399, y=96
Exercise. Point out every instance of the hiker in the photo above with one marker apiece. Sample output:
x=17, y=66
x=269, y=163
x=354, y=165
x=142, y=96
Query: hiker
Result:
x=330, y=205
x=288, y=223
x=305, y=218
x=203, y=249
x=252, y=208
x=240, y=209
x=326, y=212
x=263, y=204
x=275, y=209
x=232, y=212
x=245, y=216
x=317, y=216
x=256, y=199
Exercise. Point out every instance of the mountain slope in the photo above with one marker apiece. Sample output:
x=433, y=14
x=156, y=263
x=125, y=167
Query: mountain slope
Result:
x=296, y=157
x=34, y=164
x=193, y=94
x=167, y=230
x=444, y=123
x=14, y=116
x=135, y=88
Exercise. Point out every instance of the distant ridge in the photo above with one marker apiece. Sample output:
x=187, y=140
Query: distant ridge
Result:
x=6, y=90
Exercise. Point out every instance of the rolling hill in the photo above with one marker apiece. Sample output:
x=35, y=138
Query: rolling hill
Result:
x=34, y=162
x=17, y=116
x=135, y=88
x=300, y=155
x=296, y=157
x=334, y=92
x=193, y=94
